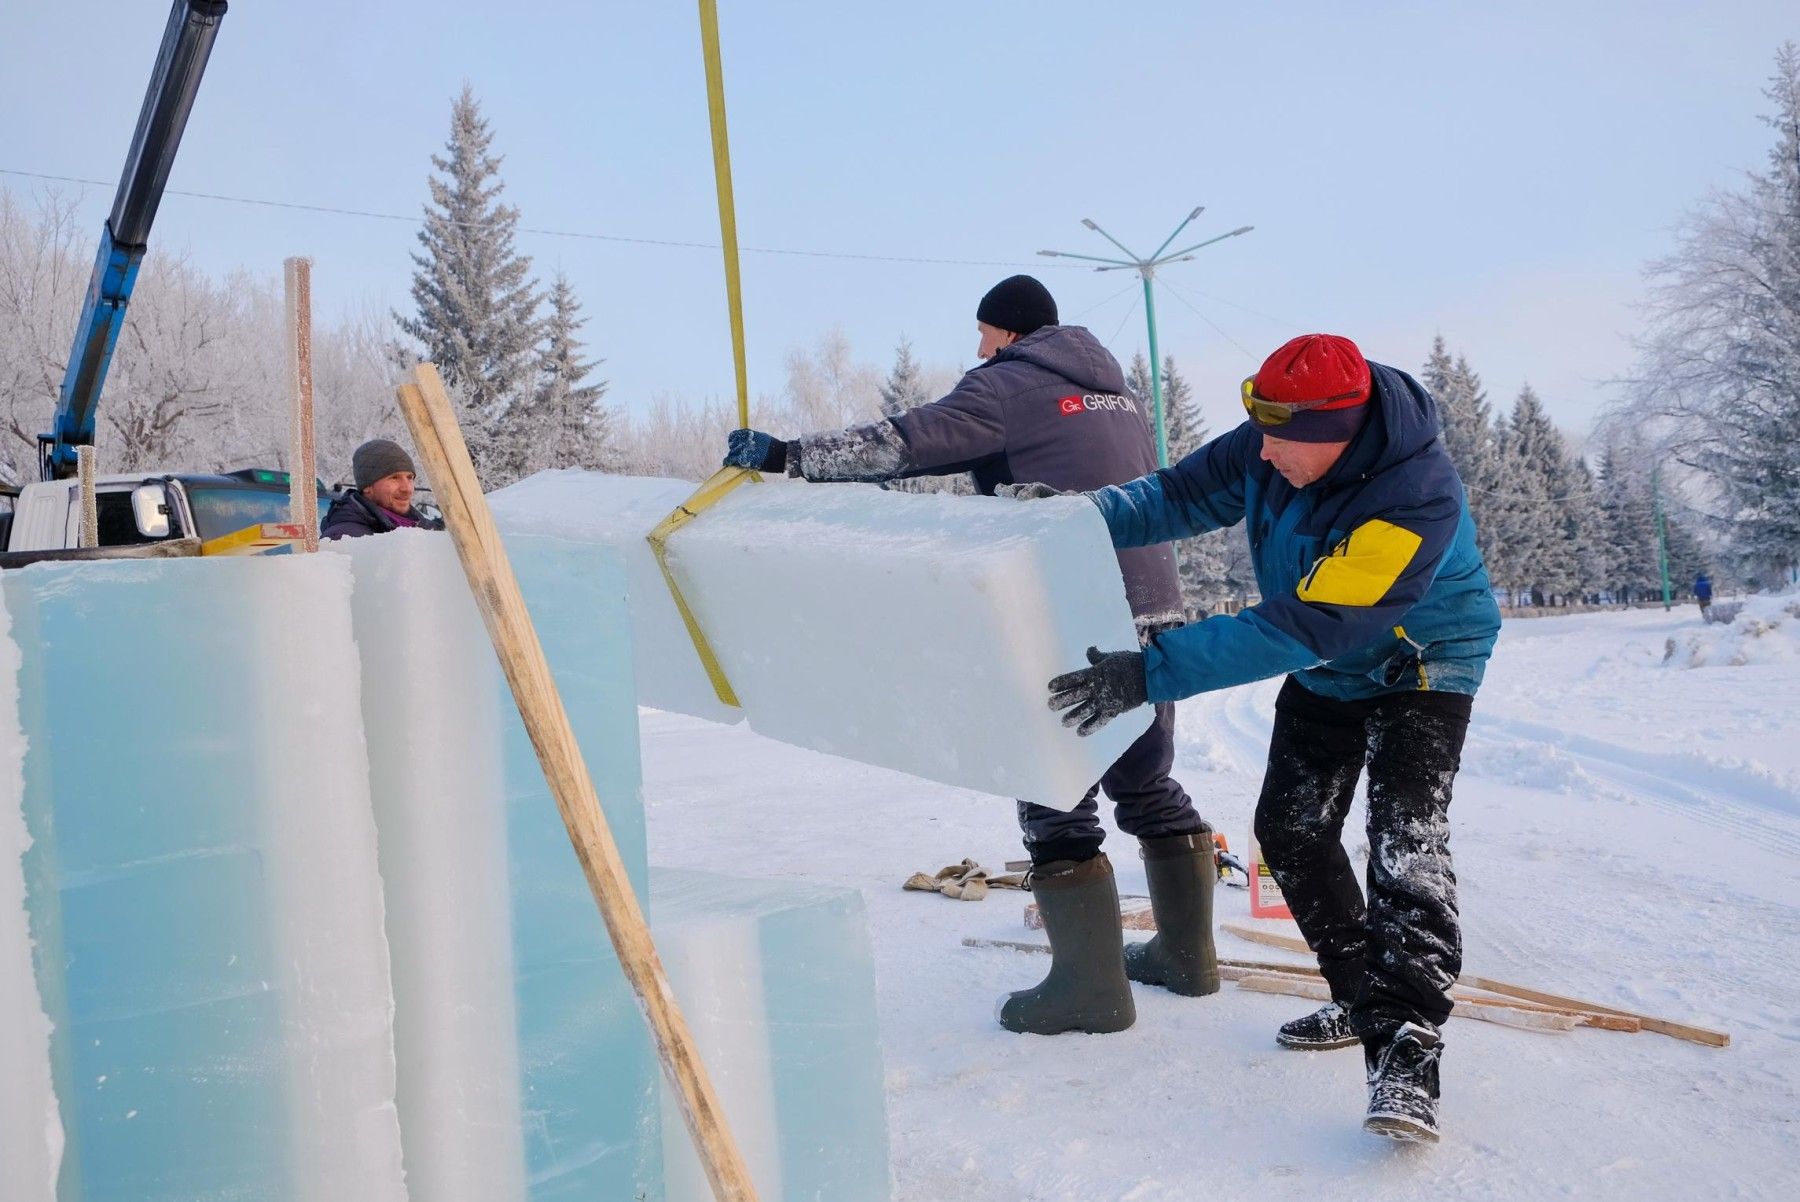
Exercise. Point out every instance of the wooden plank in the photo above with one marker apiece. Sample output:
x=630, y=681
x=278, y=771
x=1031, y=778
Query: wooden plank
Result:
x=1645, y=1022
x=471, y=525
x=1232, y=970
x=303, y=491
x=1521, y=1019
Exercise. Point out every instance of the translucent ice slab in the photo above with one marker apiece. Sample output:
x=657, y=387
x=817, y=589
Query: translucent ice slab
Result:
x=777, y=983
x=525, y=1070
x=202, y=884
x=30, y=1128
x=912, y=631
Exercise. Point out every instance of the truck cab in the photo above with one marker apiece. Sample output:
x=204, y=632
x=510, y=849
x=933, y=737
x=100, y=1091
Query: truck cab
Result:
x=170, y=514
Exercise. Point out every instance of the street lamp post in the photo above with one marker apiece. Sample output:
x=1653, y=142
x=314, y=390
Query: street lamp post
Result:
x=1147, y=269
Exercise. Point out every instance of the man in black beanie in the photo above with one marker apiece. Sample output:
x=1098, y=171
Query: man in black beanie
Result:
x=1049, y=405
x=383, y=497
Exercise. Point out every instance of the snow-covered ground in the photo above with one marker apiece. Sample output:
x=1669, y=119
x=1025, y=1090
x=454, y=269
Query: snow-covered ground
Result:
x=1625, y=830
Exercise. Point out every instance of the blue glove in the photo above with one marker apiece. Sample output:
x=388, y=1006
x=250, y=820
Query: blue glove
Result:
x=755, y=450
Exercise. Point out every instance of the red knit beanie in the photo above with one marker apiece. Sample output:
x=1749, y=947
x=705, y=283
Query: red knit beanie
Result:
x=1312, y=368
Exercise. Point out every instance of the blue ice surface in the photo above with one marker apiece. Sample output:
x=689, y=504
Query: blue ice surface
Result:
x=590, y=1073
x=146, y=886
x=802, y=1081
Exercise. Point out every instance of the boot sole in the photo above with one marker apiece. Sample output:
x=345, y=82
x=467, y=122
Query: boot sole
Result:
x=1400, y=1127
x=1325, y=1045
x=1110, y=1028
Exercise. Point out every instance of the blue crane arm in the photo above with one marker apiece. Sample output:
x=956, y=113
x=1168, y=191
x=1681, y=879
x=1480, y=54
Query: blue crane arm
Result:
x=187, y=42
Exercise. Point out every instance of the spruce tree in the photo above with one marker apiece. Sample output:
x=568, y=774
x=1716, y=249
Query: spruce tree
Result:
x=564, y=424
x=1629, y=511
x=1544, y=464
x=1139, y=384
x=904, y=387
x=476, y=314
x=1181, y=412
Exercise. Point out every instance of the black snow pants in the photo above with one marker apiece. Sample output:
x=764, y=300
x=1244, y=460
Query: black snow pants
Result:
x=1393, y=960
x=1147, y=802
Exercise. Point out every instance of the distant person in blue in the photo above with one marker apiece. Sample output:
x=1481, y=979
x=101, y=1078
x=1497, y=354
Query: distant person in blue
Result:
x=1703, y=591
x=1377, y=607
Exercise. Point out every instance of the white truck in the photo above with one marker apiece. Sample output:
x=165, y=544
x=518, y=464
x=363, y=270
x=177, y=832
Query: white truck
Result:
x=141, y=516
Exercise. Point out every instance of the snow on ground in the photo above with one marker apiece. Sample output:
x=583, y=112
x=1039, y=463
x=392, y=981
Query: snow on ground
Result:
x=1625, y=831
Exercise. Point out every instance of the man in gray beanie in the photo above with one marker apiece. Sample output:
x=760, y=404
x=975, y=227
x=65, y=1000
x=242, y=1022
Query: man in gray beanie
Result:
x=383, y=497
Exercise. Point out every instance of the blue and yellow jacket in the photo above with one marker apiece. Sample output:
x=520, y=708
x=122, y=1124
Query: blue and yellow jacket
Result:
x=1370, y=577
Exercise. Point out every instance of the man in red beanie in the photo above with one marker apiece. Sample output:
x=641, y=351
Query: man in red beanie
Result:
x=1377, y=608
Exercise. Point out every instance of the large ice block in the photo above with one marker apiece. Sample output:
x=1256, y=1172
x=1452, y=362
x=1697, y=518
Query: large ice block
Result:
x=202, y=883
x=30, y=1127
x=915, y=632
x=525, y=1068
x=777, y=983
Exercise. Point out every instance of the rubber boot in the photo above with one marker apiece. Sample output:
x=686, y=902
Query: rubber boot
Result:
x=1086, y=989
x=1180, y=956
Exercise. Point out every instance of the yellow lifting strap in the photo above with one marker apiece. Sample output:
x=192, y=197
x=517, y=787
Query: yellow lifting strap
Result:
x=708, y=495
x=725, y=479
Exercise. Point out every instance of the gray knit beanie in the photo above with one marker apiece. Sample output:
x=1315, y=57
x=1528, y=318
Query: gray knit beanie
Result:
x=378, y=459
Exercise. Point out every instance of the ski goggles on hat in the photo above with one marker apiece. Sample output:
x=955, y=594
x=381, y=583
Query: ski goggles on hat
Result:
x=1278, y=413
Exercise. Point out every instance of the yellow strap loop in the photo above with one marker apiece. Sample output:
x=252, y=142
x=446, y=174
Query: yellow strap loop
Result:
x=708, y=495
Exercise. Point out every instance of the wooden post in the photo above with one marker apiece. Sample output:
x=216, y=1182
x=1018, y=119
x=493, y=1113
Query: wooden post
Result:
x=457, y=492
x=89, y=533
x=303, y=495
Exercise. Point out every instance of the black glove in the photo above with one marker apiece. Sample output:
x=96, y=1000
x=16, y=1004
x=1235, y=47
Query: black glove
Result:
x=1095, y=696
x=1029, y=492
x=755, y=450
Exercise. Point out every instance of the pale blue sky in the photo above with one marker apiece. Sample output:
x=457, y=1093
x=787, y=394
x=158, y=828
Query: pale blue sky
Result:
x=1499, y=173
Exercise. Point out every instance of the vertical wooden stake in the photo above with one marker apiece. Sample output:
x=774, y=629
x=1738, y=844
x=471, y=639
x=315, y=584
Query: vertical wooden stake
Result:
x=89, y=533
x=457, y=492
x=303, y=497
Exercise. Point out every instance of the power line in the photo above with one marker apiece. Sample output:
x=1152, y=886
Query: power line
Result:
x=583, y=235
x=1121, y=326
x=1248, y=353
x=1109, y=300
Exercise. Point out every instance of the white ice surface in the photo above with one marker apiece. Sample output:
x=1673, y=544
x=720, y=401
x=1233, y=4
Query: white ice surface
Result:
x=1623, y=831
x=916, y=632
x=31, y=1136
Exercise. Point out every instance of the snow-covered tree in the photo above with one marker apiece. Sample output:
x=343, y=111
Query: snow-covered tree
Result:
x=1181, y=411
x=1720, y=375
x=907, y=387
x=1543, y=463
x=564, y=424
x=476, y=303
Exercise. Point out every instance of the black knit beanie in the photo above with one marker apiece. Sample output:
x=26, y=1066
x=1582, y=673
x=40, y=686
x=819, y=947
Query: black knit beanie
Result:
x=1018, y=303
x=378, y=459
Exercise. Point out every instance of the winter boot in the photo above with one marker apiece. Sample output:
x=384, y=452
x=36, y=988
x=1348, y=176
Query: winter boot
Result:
x=1086, y=989
x=1325, y=1028
x=1180, y=956
x=1403, y=1085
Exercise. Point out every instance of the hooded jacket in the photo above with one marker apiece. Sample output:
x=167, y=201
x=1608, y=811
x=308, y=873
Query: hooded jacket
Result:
x=1052, y=408
x=353, y=515
x=1370, y=577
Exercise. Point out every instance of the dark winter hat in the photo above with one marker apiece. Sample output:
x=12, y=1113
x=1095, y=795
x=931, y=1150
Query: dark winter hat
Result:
x=378, y=459
x=1017, y=303
x=1314, y=389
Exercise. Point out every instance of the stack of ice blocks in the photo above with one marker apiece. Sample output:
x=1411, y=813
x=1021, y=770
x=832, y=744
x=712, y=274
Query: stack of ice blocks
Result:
x=201, y=884
x=248, y=954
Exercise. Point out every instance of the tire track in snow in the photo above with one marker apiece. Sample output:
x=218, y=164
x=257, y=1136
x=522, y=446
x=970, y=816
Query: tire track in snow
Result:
x=1756, y=808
